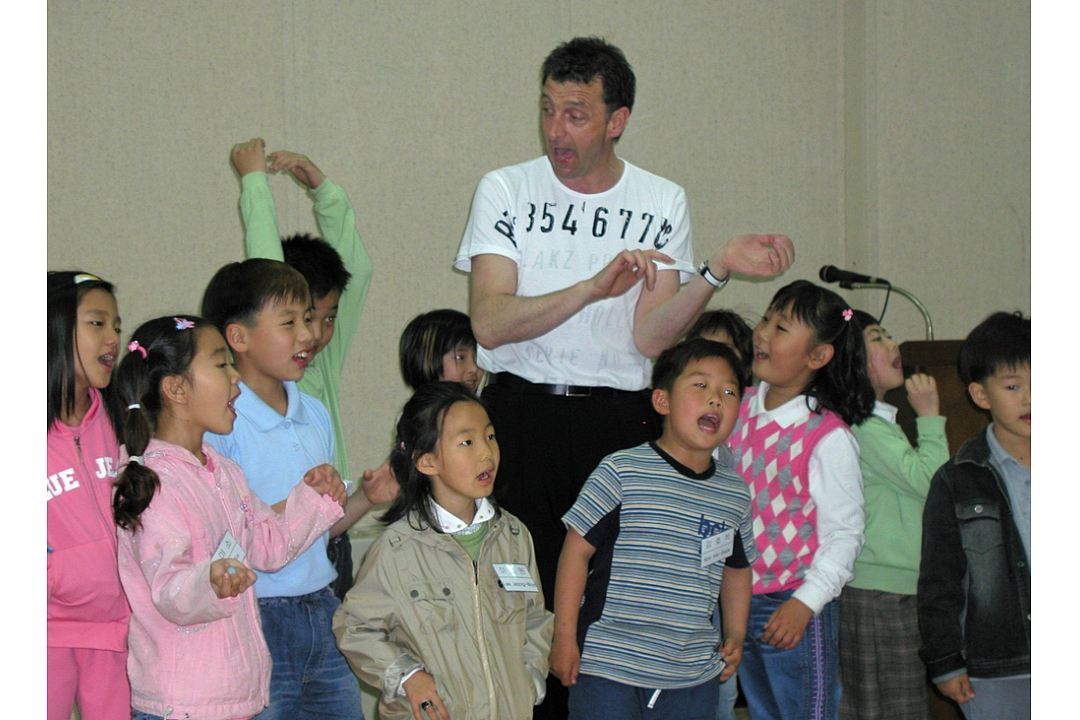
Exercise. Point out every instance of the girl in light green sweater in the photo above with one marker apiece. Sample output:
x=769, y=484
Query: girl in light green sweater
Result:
x=880, y=669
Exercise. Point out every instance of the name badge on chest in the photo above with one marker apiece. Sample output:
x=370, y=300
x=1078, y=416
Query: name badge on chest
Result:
x=515, y=577
x=229, y=548
x=717, y=547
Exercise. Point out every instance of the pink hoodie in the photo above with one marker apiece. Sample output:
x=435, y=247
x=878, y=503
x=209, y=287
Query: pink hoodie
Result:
x=192, y=652
x=87, y=608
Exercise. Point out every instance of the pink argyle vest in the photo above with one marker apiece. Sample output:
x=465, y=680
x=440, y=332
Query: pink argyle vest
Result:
x=775, y=463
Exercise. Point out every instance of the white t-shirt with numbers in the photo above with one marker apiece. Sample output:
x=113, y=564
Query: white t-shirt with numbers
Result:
x=558, y=237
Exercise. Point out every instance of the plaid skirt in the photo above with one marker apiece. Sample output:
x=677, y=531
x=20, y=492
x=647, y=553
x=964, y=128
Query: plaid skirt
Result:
x=880, y=670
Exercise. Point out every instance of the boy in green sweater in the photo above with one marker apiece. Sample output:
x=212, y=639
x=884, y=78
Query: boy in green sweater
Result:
x=880, y=669
x=338, y=272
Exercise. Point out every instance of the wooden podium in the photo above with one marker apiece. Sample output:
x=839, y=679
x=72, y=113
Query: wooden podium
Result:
x=964, y=420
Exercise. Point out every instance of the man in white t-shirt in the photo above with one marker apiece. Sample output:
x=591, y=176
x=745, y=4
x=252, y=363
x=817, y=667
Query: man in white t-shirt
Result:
x=576, y=261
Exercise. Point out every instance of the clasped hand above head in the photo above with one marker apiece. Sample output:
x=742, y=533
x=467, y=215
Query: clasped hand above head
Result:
x=248, y=157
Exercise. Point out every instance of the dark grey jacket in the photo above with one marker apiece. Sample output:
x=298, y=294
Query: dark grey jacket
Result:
x=974, y=579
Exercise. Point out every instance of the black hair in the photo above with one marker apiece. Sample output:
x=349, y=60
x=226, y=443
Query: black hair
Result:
x=418, y=433
x=865, y=319
x=66, y=290
x=843, y=384
x=318, y=262
x=428, y=337
x=735, y=327
x=240, y=290
x=1002, y=340
x=169, y=351
x=673, y=361
x=584, y=59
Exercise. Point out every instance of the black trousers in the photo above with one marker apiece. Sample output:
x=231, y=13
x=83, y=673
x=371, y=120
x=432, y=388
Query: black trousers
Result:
x=548, y=446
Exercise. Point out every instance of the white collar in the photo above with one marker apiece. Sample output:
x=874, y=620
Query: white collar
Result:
x=452, y=524
x=785, y=415
x=885, y=411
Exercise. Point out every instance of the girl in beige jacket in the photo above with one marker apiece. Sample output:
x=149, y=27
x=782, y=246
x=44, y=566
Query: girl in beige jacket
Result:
x=447, y=615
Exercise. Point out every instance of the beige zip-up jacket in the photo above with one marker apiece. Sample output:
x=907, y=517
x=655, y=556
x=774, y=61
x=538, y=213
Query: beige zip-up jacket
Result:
x=419, y=601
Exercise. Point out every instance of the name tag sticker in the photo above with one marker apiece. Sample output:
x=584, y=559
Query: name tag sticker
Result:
x=515, y=577
x=717, y=547
x=229, y=548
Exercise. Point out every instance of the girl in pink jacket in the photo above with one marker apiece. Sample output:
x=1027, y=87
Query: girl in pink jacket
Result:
x=191, y=529
x=88, y=615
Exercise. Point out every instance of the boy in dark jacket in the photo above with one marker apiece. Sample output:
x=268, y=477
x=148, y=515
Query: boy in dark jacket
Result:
x=975, y=577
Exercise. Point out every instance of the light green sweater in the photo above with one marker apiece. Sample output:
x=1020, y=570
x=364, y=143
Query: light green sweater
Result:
x=337, y=223
x=896, y=478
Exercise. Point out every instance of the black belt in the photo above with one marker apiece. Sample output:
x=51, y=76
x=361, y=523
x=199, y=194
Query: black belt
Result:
x=517, y=384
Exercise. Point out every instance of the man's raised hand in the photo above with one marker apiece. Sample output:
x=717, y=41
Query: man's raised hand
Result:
x=756, y=255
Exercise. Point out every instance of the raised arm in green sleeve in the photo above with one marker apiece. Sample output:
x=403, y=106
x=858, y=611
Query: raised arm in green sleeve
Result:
x=261, y=238
x=337, y=223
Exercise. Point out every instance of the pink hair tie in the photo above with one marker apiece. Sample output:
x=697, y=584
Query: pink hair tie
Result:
x=134, y=345
x=847, y=314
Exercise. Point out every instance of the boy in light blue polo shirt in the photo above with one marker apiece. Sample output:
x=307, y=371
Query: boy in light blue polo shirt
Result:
x=262, y=307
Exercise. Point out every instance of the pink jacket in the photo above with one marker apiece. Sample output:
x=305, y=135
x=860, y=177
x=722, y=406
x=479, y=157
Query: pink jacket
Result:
x=192, y=652
x=87, y=608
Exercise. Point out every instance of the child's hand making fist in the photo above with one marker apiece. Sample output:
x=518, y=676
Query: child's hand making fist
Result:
x=325, y=480
x=785, y=627
x=923, y=395
x=230, y=577
x=249, y=157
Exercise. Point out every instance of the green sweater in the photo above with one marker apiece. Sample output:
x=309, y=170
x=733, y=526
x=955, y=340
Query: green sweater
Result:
x=337, y=223
x=896, y=478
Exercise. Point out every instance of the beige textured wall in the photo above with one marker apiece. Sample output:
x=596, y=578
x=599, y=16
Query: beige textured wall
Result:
x=892, y=137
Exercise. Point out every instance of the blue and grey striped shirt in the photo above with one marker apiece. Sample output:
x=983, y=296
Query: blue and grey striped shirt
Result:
x=646, y=615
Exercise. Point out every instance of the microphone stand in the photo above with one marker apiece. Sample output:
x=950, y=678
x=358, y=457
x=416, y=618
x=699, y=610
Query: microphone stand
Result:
x=914, y=300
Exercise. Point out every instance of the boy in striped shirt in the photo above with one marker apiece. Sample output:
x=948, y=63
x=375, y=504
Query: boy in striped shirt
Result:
x=661, y=525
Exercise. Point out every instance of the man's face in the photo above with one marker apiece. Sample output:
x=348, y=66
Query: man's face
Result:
x=579, y=133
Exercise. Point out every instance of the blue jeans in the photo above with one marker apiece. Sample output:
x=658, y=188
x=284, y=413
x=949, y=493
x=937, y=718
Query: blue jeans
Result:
x=1007, y=698
x=729, y=693
x=310, y=679
x=802, y=683
x=729, y=689
x=597, y=698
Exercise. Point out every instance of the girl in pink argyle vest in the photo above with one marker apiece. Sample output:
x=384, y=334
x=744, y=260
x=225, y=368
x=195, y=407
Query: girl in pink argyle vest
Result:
x=793, y=447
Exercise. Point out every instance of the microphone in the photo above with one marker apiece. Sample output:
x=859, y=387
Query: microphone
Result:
x=833, y=274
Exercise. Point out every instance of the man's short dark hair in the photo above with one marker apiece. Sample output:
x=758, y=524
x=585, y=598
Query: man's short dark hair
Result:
x=240, y=290
x=673, y=361
x=584, y=59
x=318, y=262
x=1002, y=340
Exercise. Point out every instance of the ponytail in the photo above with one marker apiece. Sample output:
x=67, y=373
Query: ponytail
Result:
x=159, y=348
x=842, y=385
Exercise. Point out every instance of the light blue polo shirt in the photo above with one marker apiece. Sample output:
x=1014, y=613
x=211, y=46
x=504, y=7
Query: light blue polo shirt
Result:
x=1017, y=479
x=274, y=452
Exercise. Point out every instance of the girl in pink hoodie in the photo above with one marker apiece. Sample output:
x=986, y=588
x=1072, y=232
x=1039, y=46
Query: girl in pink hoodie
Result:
x=88, y=615
x=191, y=530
